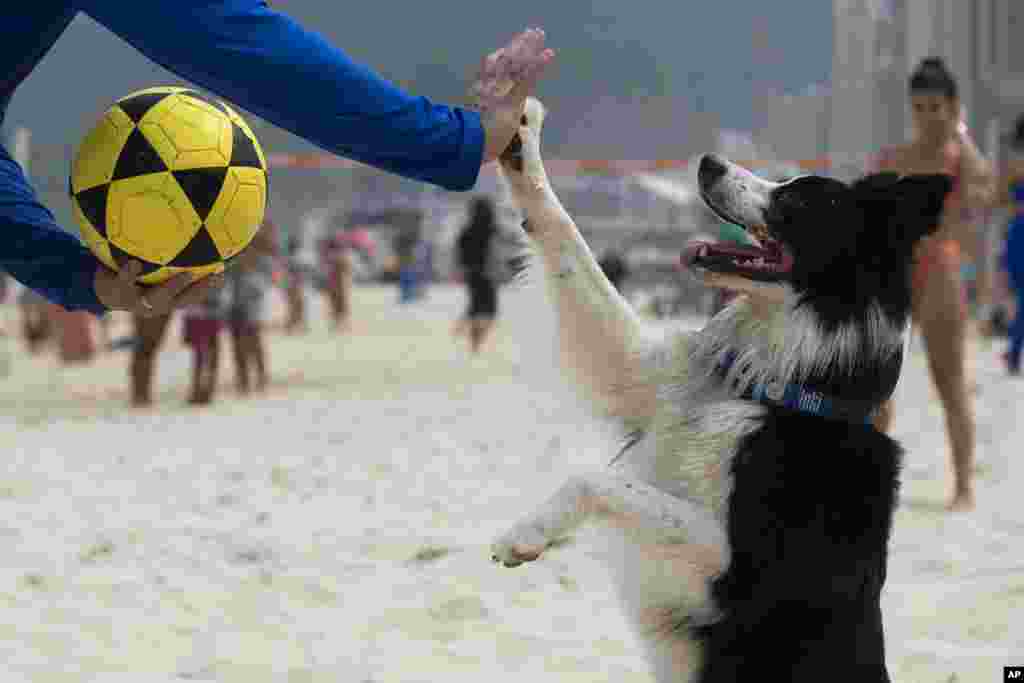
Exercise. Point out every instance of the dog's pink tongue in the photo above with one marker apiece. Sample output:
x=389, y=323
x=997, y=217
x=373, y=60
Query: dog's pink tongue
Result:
x=786, y=261
x=692, y=252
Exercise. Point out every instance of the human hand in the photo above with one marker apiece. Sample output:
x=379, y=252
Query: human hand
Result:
x=507, y=77
x=119, y=291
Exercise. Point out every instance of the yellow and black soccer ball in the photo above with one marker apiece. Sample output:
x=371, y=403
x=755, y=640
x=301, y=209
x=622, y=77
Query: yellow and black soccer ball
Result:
x=172, y=178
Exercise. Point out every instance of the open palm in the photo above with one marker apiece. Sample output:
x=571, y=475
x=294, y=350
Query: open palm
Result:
x=507, y=77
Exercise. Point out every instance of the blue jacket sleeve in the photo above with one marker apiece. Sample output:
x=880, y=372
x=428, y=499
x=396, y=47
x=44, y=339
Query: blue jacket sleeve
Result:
x=36, y=252
x=266, y=63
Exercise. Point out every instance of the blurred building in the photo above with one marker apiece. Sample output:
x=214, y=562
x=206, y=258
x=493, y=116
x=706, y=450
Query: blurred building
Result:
x=869, y=66
x=795, y=125
x=879, y=42
x=634, y=128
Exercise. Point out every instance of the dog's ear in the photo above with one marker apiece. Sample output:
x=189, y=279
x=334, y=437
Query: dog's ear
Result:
x=910, y=207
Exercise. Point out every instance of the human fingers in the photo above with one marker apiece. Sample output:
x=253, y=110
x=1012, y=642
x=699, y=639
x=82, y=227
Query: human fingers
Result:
x=531, y=75
x=532, y=42
x=513, y=50
x=498, y=68
x=486, y=88
x=129, y=272
x=160, y=299
x=522, y=52
x=490, y=68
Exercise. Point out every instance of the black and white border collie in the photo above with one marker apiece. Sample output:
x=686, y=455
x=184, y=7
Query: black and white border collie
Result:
x=751, y=507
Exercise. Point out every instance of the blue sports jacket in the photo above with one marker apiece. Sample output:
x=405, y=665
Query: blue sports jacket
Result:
x=252, y=56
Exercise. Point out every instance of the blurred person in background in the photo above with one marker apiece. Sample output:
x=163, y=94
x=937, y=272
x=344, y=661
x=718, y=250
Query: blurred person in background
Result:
x=424, y=264
x=942, y=144
x=295, y=282
x=613, y=264
x=474, y=254
x=408, y=252
x=6, y=339
x=203, y=324
x=35, y=320
x=338, y=265
x=248, y=282
x=1011, y=195
x=150, y=331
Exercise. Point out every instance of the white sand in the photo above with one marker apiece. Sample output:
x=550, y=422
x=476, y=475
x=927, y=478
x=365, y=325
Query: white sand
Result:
x=337, y=528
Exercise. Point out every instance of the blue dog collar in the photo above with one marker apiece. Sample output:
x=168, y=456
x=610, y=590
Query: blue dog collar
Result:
x=801, y=398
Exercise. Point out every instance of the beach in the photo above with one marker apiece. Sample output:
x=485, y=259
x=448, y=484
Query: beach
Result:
x=337, y=527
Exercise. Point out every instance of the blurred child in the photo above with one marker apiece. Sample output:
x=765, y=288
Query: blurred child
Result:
x=338, y=261
x=36, y=326
x=295, y=288
x=248, y=284
x=202, y=326
x=407, y=246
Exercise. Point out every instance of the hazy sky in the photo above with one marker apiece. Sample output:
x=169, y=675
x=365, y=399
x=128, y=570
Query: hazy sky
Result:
x=712, y=54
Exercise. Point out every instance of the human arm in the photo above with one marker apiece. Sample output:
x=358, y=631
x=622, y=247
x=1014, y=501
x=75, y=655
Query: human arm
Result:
x=1002, y=196
x=267, y=63
x=1011, y=174
x=36, y=251
x=40, y=255
x=51, y=262
x=977, y=177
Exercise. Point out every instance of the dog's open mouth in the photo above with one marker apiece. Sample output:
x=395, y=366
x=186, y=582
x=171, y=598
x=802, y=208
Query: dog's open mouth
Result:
x=767, y=261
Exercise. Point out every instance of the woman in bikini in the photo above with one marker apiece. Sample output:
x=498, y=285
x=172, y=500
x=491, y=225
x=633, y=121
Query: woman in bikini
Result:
x=941, y=144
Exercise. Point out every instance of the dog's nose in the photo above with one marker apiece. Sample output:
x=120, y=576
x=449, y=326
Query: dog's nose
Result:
x=711, y=169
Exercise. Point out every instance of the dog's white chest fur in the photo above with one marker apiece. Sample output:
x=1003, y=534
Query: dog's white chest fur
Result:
x=689, y=449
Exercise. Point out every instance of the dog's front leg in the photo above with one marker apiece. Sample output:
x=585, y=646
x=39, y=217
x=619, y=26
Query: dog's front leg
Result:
x=646, y=513
x=601, y=338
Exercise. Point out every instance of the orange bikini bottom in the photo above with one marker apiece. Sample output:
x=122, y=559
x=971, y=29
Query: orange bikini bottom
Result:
x=943, y=254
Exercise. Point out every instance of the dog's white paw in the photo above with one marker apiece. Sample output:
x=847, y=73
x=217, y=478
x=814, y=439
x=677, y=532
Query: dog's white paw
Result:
x=523, y=543
x=521, y=161
x=534, y=112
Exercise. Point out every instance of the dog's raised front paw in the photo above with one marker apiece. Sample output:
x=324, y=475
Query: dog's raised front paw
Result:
x=522, y=544
x=512, y=157
x=522, y=156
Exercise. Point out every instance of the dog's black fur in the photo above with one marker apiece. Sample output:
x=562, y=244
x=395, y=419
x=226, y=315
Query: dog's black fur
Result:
x=808, y=529
x=811, y=507
x=853, y=246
